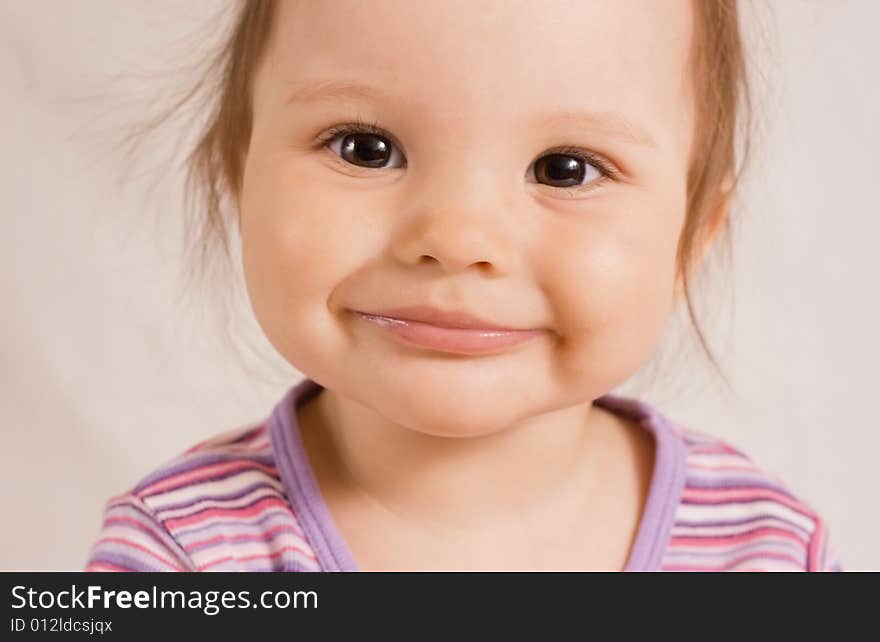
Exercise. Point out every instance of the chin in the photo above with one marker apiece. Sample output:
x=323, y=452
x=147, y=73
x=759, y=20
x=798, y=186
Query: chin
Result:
x=439, y=420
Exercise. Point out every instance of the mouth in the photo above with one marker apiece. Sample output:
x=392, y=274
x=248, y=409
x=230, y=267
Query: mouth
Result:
x=475, y=338
x=439, y=318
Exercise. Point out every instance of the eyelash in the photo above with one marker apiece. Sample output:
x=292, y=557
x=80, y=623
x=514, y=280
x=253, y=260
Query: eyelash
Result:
x=607, y=171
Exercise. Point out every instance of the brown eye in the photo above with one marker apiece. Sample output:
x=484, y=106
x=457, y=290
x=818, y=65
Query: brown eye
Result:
x=563, y=170
x=365, y=150
x=363, y=145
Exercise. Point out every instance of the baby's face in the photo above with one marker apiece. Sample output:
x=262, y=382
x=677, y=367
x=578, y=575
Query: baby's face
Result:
x=478, y=195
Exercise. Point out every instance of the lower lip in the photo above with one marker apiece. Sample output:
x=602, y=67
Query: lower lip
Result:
x=455, y=340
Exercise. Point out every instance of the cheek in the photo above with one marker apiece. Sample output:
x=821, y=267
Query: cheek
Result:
x=612, y=287
x=297, y=246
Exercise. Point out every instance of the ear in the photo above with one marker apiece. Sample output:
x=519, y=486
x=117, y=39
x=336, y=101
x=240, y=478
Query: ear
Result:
x=713, y=226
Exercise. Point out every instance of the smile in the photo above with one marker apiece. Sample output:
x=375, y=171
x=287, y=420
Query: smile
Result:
x=472, y=341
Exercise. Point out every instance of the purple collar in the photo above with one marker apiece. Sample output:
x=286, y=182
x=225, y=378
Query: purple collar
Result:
x=667, y=481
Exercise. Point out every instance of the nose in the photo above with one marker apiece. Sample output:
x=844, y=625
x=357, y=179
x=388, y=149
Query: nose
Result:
x=459, y=221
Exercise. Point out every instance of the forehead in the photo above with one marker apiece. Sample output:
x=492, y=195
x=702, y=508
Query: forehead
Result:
x=522, y=59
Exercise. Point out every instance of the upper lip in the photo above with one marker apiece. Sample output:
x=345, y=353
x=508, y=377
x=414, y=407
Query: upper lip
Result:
x=441, y=318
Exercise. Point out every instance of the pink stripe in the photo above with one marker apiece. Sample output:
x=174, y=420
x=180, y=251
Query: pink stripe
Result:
x=716, y=448
x=244, y=440
x=734, y=494
x=731, y=563
x=195, y=448
x=259, y=537
x=131, y=544
x=97, y=567
x=247, y=558
x=771, y=554
x=205, y=501
x=258, y=507
x=815, y=548
x=202, y=472
x=260, y=443
x=708, y=542
x=745, y=469
x=727, y=530
x=129, y=520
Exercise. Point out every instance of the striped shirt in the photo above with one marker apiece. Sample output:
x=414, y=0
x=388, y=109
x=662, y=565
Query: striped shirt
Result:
x=247, y=500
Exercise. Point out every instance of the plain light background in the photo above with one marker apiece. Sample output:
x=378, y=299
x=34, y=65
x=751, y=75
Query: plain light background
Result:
x=108, y=370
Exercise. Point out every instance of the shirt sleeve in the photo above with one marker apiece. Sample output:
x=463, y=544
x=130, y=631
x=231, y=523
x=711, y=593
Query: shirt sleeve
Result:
x=822, y=555
x=132, y=538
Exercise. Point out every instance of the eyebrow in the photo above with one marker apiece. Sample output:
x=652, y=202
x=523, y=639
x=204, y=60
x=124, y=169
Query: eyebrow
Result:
x=609, y=123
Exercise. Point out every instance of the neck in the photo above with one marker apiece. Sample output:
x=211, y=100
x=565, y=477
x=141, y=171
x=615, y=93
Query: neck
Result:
x=459, y=483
